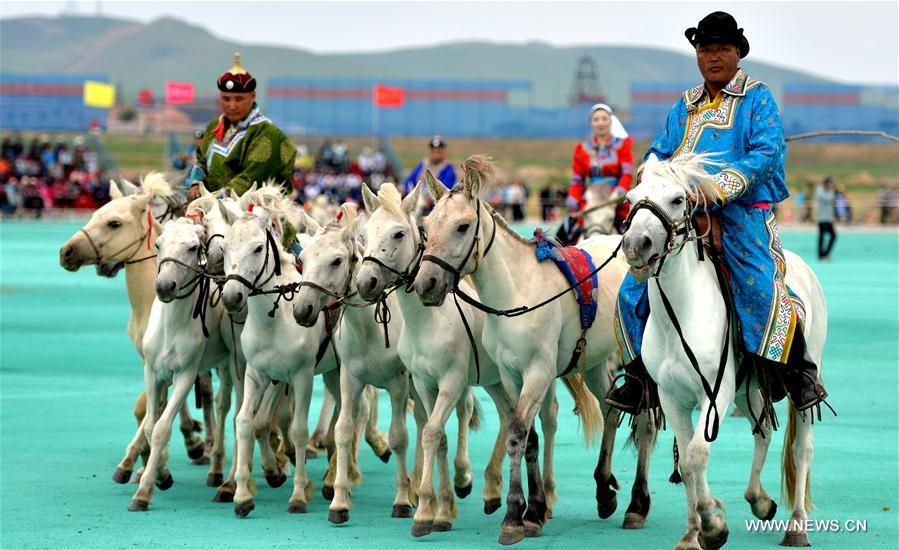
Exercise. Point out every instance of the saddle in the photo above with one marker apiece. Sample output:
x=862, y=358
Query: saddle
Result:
x=709, y=224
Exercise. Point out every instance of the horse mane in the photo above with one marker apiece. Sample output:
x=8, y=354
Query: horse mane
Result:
x=504, y=225
x=688, y=171
x=203, y=205
x=391, y=200
x=270, y=196
x=155, y=183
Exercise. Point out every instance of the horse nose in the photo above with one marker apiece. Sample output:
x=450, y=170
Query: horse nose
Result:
x=432, y=282
x=636, y=246
x=372, y=283
x=68, y=251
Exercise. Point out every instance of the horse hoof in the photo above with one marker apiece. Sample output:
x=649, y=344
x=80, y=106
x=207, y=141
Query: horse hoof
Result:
x=492, y=505
x=275, y=480
x=633, y=521
x=713, y=541
x=243, y=509
x=463, y=492
x=166, y=483
x=223, y=495
x=121, y=476
x=138, y=505
x=297, y=508
x=195, y=452
x=441, y=526
x=794, y=538
x=532, y=530
x=327, y=492
x=607, y=508
x=202, y=461
x=385, y=457
x=401, y=511
x=767, y=516
x=511, y=535
x=310, y=454
x=422, y=528
x=214, y=480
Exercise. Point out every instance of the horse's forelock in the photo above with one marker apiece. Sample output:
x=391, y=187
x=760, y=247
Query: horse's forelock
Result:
x=391, y=200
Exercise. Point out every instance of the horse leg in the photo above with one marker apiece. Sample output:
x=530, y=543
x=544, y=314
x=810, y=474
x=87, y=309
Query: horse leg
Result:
x=351, y=401
x=398, y=437
x=462, y=463
x=188, y=428
x=599, y=382
x=539, y=500
x=299, y=436
x=332, y=385
x=223, y=405
x=273, y=470
x=375, y=439
x=493, y=475
x=207, y=401
x=681, y=422
x=159, y=441
x=123, y=471
x=421, y=418
x=320, y=433
x=533, y=392
x=225, y=491
x=254, y=389
x=140, y=411
x=797, y=463
x=644, y=438
x=763, y=507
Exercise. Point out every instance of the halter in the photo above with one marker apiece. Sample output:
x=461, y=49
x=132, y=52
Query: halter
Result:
x=472, y=250
x=407, y=275
x=673, y=228
x=135, y=243
x=345, y=294
x=201, y=280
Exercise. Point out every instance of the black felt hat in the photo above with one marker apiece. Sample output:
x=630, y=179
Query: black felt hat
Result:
x=718, y=28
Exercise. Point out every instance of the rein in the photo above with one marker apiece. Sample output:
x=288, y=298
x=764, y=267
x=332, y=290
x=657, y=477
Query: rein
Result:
x=135, y=243
x=200, y=281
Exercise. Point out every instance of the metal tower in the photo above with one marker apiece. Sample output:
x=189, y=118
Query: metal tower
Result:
x=586, y=87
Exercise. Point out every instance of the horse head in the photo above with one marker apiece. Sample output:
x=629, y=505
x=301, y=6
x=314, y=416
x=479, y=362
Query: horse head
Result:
x=181, y=249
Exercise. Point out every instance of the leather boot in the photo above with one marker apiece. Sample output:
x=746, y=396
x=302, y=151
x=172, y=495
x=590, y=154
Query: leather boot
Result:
x=800, y=377
x=629, y=396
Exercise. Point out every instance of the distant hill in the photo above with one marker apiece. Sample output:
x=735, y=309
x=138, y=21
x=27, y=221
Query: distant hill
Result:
x=137, y=55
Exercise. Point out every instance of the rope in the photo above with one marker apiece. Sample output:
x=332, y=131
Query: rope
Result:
x=809, y=135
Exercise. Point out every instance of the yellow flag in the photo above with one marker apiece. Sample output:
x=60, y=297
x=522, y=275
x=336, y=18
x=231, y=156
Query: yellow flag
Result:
x=99, y=94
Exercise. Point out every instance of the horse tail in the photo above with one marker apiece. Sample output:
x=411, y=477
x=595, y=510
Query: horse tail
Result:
x=788, y=465
x=474, y=424
x=585, y=406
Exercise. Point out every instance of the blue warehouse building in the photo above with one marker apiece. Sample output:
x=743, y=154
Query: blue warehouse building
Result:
x=47, y=103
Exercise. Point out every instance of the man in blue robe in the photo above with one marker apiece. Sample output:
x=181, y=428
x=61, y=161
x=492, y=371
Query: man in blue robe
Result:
x=735, y=117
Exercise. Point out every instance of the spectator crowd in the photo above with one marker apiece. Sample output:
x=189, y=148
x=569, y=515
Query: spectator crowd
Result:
x=332, y=172
x=42, y=174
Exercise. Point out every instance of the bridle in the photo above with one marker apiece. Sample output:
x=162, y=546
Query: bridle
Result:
x=407, y=275
x=135, y=243
x=200, y=281
x=472, y=250
x=674, y=228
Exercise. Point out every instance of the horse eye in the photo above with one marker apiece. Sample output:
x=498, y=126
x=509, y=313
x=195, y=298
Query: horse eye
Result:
x=114, y=224
x=258, y=250
x=399, y=235
x=463, y=228
x=194, y=248
x=336, y=262
x=677, y=201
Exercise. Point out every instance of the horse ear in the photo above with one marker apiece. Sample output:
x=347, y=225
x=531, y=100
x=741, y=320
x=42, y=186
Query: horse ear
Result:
x=369, y=199
x=308, y=225
x=472, y=183
x=203, y=190
x=436, y=188
x=349, y=211
x=232, y=194
x=114, y=191
x=410, y=202
x=245, y=200
x=226, y=214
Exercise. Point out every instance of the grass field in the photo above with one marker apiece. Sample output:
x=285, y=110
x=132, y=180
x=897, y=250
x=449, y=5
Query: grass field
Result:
x=69, y=376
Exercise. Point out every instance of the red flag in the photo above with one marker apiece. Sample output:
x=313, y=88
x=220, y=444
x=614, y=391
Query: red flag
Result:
x=178, y=93
x=389, y=96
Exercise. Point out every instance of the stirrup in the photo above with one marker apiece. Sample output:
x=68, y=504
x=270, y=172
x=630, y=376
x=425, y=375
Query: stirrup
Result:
x=819, y=391
x=627, y=408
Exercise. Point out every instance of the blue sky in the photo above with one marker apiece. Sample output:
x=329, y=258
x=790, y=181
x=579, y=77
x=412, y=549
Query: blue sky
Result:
x=846, y=41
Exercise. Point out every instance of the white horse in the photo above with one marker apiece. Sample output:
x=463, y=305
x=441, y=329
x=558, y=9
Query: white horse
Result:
x=694, y=293
x=178, y=345
x=466, y=238
x=599, y=216
x=122, y=232
x=276, y=348
x=330, y=259
x=436, y=350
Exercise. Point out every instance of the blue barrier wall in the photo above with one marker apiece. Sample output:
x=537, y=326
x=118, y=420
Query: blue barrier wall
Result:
x=47, y=102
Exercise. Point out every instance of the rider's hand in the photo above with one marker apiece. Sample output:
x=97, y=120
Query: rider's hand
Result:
x=194, y=192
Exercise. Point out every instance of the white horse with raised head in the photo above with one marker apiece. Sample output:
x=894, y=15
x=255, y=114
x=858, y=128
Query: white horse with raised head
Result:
x=123, y=233
x=691, y=286
x=436, y=350
x=178, y=344
x=467, y=238
x=330, y=259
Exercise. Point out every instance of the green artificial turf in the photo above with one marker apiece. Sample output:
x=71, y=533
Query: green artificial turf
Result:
x=69, y=376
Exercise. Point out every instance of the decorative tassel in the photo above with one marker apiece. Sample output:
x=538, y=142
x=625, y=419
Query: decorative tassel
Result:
x=544, y=248
x=675, y=475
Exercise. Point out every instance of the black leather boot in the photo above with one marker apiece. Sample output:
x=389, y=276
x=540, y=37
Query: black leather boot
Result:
x=629, y=396
x=800, y=376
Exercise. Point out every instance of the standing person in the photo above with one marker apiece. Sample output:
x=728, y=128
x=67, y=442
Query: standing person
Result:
x=736, y=117
x=825, y=209
x=241, y=146
x=607, y=160
x=436, y=163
